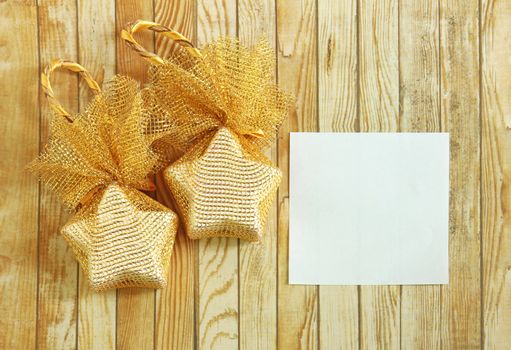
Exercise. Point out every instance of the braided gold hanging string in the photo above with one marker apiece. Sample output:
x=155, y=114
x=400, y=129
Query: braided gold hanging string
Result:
x=48, y=90
x=139, y=25
x=194, y=54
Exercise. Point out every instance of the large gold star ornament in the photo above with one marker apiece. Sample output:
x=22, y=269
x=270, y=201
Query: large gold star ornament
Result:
x=224, y=191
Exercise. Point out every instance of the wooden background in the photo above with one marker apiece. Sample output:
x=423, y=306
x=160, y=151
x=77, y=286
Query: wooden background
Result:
x=372, y=65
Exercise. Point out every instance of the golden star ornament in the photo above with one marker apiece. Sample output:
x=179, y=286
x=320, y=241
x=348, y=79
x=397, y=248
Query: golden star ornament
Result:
x=224, y=191
x=97, y=162
x=122, y=239
x=219, y=107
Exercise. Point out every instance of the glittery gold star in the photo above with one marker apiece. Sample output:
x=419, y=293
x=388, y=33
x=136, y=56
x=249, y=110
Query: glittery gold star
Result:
x=121, y=239
x=226, y=191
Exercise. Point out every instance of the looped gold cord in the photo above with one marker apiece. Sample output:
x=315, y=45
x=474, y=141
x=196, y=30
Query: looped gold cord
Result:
x=139, y=25
x=72, y=66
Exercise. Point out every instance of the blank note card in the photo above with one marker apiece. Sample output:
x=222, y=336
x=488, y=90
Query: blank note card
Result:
x=369, y=208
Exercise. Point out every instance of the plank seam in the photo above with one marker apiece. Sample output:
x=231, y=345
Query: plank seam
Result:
x=238, y=240
x=318, y=111
x=277, y=199
x=481, y=245
x=38, y=220
x=77, y=329
x=399, y=129
x=237, y=24
x=439, y=15
x=358, y=125
x=153, y=4
x=196, y=300
x=117, y=291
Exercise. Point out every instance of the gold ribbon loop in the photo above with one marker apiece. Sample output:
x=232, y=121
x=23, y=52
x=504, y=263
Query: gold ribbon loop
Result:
x=48, y=91
x=139, y=25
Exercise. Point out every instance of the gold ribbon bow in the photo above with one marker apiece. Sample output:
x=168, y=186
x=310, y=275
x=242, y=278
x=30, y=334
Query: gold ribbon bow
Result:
x=103, y=145
x=194, y=93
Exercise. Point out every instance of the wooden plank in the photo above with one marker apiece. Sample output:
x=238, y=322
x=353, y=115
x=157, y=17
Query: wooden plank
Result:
x=419, y=69
x=217, y=313
x=58, y=269
x=179, y=15
x=258, y=262
x=496, y=173
x=337, y=64
x=217, y=309
x=379, y=111
x=96, y=35
x=19, y=190
x=420, y=111
x=129, y=62
x=379, y=67
x=297, y=74
x=459, y=50
x=338, y=111
x=175, y=305
x=135, y=306
x=175, y=315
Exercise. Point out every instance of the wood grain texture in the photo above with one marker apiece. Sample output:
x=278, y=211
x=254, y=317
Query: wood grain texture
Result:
x=96, y=51
x=338, y=66
x=496, y=172
x=96, y=41
x=129, y=62
x=419, y=59
x=58, y=269
x=353, y=66
x=297, y=74
x=459, y=58
x=419, y=66
x=179, y=15
x=378, y=39
x=19, y=190
x=217, y=311
x=135, y=306
x=338, y=111
x=175, y=305
x=218, y=306
x=258, y=262
x=378, y=56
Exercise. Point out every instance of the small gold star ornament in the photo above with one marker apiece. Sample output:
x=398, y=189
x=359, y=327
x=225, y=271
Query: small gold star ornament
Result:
x=121, y=239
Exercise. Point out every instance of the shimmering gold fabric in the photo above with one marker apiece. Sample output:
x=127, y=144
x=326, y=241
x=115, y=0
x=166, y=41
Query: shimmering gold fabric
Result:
x=96, y=163
x=219, y=108
x=230, y=85
x=122, y=238
x=223, y=190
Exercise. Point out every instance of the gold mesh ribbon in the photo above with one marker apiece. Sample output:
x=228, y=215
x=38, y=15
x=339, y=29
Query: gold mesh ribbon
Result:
x=220, y=107
x=96, y=162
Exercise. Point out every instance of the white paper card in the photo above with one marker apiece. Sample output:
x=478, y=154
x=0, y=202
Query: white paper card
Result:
x=369, y=208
